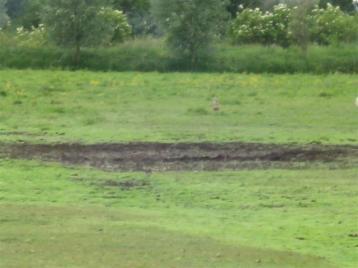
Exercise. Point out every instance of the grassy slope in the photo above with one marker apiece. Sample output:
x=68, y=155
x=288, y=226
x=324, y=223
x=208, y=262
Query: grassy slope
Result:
x=53, y=106
x=66, y=217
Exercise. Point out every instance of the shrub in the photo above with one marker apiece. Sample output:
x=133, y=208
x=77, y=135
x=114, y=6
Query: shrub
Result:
x=284, y=26
x=117, y=23
x=300, y=24
x=249, y=27
x=191, y=26
x=332, y=25
x=256, y=26
x=94, y=25
x=36, y=37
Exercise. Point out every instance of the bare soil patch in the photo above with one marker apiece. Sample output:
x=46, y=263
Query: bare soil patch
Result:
x=185, y=156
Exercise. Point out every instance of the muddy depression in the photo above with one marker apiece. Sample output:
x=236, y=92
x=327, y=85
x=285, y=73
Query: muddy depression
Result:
x=185, y=156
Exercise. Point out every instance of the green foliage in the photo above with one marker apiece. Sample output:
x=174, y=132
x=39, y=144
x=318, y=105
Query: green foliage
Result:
x=152, y=55
x=79, y=23
x=76, y=23
x=301, y=24
x=15, y=8
x=332, y=25
x=297, y=25
x=31, y=14
x=139, y=15
x=26, y=13
x=191, y=26
x=4, y=19
x=234, y=6
x=346, y=5
x=117, y=24
x=256, y=26
x=34, y=38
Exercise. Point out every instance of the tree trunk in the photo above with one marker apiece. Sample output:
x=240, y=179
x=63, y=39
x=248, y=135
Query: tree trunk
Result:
x=77, y=55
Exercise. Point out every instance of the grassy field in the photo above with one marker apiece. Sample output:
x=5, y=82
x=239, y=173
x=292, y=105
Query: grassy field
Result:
x=69, y=216
x=53, y=216
x=55, y=106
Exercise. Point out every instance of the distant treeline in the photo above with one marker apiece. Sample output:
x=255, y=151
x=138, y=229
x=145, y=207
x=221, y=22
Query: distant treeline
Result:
x=102, y=34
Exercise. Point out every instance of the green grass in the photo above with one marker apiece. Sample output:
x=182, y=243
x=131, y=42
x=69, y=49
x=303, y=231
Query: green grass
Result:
x=53, y=216
x=58, y=106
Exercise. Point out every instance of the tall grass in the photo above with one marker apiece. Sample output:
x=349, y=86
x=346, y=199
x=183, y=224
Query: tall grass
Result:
x=152, y=55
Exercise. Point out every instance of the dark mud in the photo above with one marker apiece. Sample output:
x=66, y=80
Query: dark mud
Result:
x=184, y=156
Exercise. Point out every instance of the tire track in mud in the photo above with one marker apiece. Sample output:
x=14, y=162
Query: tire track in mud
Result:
x=186, y=156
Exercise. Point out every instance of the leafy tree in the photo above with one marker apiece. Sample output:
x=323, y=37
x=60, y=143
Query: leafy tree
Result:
x=31, y=14
x=79, y=23
x=345, y=5
x=15, y=8
x=129, y=6
x=333, y=26
x=235, y=5
x=139, y=15
x=3, y=16
x=26, y=13
x=301, y=23
x=191, y=25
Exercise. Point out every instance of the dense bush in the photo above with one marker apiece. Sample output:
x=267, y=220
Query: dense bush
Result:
x=191, y=26
x=152, y=55
x=36, y=37
x=256, y=26
x=117, y=23
x=332, y=25
x=327, y=26
x=95, y=25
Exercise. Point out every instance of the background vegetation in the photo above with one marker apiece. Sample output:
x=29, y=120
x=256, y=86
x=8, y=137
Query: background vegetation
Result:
x=211, y=36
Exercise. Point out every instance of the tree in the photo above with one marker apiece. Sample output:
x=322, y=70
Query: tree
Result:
x=345, y=5
x=300, y=24
x=3, y=16
x=139, y=16
x=78, y=23
x=26, y=13
x=14, y=8
x=31, y=13
x=234, y=5
x=191, y=25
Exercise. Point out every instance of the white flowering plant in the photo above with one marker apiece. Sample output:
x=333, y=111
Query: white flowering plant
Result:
x=35, y=37
x=327, y=25
x=256, y=26
x=117, y=21
x=332, y=25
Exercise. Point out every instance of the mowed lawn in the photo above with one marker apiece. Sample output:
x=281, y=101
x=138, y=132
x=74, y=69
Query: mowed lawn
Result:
x=58, y=106
x=51, y=216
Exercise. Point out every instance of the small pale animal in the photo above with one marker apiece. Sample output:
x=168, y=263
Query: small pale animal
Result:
x=357, y=101
x=216, y=104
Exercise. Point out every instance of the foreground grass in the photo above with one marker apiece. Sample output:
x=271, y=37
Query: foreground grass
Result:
x=74, y=217
x=56, y=106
